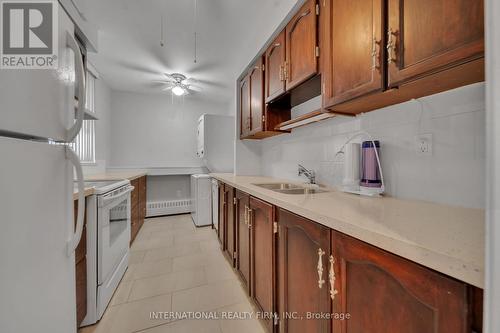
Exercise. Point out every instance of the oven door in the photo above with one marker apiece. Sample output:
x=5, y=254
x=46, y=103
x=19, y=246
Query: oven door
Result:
x=113, y=232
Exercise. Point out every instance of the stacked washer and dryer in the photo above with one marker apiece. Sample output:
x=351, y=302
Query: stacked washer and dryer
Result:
x=215, y=136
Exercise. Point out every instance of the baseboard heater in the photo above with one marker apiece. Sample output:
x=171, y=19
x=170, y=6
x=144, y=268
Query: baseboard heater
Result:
x=170, y=207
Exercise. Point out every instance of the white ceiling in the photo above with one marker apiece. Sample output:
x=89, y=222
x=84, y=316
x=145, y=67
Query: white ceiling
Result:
x=230, y=32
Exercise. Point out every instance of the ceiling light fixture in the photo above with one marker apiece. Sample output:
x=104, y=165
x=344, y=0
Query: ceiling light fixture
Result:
x=178, y=91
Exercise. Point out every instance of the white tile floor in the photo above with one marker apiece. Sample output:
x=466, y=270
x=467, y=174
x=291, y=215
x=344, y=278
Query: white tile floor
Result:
x=176, y=267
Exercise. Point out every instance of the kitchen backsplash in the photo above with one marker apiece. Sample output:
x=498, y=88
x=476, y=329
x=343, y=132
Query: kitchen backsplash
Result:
x=454, y=174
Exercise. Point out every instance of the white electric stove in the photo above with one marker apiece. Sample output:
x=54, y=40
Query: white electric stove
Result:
x=108, y=239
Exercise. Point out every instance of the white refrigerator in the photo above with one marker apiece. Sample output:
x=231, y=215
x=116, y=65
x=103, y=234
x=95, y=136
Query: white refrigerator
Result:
x=201, y=200
x=38, y=235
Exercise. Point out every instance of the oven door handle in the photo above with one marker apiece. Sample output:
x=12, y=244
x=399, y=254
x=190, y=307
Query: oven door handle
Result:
x=106, y=200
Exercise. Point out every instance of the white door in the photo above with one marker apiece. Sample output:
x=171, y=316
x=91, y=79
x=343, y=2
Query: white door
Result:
x=40, y=102
x=36, y=221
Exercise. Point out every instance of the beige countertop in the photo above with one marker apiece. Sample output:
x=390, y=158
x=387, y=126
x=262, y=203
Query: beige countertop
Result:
x=130, y=175
x=448, y=239
x=88, y=191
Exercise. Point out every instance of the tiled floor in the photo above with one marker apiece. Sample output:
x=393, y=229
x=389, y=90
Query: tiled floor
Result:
x=177, y=267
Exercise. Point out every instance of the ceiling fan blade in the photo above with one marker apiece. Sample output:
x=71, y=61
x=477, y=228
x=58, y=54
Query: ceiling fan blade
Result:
x=213, y=84
x=195, y=88
x=169, y=77
x=162, y=81
x=167, y=88
x=190, y=81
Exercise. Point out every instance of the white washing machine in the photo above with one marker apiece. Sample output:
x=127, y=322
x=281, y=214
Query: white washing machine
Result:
x=201, y=200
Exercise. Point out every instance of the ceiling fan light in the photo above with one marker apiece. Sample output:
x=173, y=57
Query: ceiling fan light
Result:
x=178, y=91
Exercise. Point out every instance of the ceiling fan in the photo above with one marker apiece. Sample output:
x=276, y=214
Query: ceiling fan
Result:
x=179, y=84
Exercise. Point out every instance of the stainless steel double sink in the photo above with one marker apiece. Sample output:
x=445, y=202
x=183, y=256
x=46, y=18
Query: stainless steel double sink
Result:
x=288, y=188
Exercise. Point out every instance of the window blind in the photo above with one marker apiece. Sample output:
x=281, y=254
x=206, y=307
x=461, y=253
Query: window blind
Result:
x=84, y=143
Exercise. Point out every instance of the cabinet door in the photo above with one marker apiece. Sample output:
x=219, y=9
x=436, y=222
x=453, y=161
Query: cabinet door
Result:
x=81, y=291
x=425, y=36
x=245, y=107
x=222, y=216
x=275, y=61
x=257, y=96
x=353, y=51
x=303, y=252
x=261, y=225
x=390, y=294
x=243, y=238
x=143, y=196
x=81, y=271
x=230, y=228
x=301, y=42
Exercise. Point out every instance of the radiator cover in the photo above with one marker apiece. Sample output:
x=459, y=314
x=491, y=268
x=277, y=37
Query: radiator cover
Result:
x=170, y=207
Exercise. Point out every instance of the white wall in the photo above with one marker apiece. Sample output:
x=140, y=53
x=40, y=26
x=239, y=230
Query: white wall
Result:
x=165, y=188
x=150, y=131
x=454, y=174
x=103, y=127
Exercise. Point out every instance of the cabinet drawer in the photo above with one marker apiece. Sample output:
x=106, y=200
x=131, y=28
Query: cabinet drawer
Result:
x=81, y=290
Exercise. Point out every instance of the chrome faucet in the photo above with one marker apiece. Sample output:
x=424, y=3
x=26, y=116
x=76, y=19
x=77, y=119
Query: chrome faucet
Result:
x=310, y=174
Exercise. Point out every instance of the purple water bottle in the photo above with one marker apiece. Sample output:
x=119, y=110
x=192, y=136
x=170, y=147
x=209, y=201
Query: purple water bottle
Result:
x=370, y=177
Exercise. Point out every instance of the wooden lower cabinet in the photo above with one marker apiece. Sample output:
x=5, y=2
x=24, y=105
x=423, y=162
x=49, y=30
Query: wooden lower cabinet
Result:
x=138, y=200
x=261, y=218
x=243, y=238
x=303, y=250
x=222, y=216
x=390, y=294
x=81, y=271
x=230, y=241
x=81, y=291
x=305, y=272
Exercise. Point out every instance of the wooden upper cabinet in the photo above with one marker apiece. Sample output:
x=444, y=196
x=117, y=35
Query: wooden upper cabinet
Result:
x=256, y=76
x=303, y=251
x=301, y=46
x=243, y=238
x=353, y=49
x=426, y=36
x=245, y=106
x=262, y=258
x=275, y=57
x=386, y=293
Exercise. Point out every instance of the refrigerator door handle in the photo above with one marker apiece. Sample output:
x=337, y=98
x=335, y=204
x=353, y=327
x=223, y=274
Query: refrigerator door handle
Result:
x=75, y=238
x=80, y=77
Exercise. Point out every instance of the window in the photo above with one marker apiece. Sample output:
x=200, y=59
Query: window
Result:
x=84, y=143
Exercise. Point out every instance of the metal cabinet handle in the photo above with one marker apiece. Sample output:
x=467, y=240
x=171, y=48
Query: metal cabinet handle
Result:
x=282, y=75
x=391, y=46
x=375, y=54
x=250, y=218
x=331, y=276
x=321, y=282
x=287, y=70
x=246, y=215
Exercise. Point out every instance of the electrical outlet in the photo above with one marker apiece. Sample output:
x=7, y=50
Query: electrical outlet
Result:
x=423, y=144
